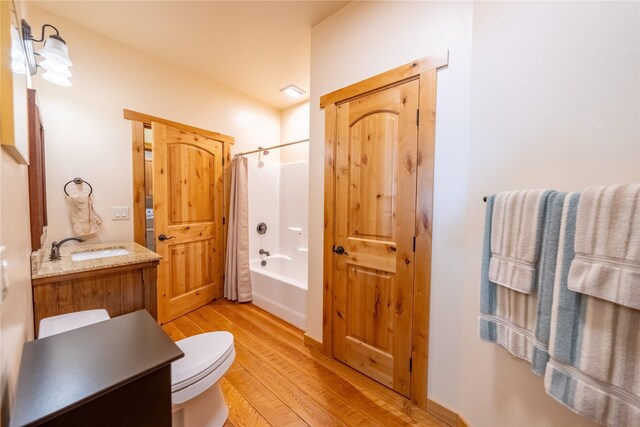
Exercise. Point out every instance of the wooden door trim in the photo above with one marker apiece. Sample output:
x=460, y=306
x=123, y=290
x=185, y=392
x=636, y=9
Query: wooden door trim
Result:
x=424, y=69
x=389, y=78
x=139, y=208
x=424, y=233
x=147, y=119
x=226, y=176
x=329, y=218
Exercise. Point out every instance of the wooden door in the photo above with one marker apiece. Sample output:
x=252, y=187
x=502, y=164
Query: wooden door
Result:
x=188, y=210
x=375, y=199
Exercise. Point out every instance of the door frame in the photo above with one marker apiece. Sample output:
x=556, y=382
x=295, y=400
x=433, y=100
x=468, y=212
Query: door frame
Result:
x=424, y=70
x=138, y=122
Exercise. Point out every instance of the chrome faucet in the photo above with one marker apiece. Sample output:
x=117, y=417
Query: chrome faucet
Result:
x=55, y=248
x=263, y=252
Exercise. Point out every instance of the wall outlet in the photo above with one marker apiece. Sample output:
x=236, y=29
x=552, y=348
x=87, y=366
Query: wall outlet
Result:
x=119, y=213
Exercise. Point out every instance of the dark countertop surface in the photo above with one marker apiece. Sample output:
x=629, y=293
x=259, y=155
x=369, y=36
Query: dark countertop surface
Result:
x=63, y=371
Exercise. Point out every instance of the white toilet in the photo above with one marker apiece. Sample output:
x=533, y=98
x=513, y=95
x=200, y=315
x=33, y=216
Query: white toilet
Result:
x=66, y=322
x=196, y=396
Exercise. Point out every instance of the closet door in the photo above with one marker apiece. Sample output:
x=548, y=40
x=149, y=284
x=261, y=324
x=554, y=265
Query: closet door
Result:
x=375, y=200
x=188, y=215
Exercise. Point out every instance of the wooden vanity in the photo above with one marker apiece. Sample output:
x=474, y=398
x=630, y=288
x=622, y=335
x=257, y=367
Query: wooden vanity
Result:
x=119, y=284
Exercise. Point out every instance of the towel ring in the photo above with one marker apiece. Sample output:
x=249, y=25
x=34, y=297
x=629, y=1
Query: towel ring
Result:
x=77, y=181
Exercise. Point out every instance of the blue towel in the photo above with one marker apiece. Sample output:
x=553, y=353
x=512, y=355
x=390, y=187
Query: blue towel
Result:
x=594, y=365
x=517, y=321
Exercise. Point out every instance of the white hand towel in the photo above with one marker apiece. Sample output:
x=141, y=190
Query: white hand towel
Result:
x=607, y=245
x=84, y=218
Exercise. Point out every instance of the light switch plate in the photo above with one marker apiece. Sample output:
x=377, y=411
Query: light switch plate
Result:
x=119, y=213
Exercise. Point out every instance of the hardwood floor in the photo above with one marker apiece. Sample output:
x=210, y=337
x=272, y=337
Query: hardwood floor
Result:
x=276, y=380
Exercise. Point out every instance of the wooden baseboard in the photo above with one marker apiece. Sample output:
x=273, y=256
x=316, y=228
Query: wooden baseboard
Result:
x=445, y=414
x=462, y=422
x=311, y=343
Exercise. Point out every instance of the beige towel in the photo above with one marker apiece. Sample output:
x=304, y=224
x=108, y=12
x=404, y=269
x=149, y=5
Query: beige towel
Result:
x=516, y=238
x=84, y=218
x=607, y=245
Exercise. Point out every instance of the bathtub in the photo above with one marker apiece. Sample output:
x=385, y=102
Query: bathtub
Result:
x=280, y=288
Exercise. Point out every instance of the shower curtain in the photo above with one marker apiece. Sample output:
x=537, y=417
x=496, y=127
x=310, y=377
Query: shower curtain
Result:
x=237, y=284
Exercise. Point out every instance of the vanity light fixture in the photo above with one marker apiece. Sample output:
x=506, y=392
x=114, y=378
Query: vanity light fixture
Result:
x=292, y=91
x=56, y=61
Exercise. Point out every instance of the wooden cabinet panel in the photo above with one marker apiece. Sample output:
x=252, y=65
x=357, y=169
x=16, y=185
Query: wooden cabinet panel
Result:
x=37, y=176
x=118, y=290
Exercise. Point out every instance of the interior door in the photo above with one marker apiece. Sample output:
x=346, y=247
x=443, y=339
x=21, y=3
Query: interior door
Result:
x=375, y=199
x=188, y=209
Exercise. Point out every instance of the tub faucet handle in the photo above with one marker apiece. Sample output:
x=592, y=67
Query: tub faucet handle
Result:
x=263, y=252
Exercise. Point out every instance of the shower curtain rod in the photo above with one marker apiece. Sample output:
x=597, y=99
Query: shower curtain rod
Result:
x=271, y=148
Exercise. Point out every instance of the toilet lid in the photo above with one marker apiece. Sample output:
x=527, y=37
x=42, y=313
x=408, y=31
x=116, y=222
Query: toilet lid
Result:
x=202, y=354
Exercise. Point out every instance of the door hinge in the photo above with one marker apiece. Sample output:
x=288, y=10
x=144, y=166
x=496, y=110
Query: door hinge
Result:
x=411, y=364
x=222, y=160
x=418, y=117
x=224, y=220
x=414, y=243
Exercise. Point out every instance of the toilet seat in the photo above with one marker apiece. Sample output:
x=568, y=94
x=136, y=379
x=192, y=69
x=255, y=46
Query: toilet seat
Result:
x=207, y=358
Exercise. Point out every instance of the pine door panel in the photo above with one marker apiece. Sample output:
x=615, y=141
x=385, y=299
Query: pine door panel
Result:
x=375, y=199
x=191, y=171
x=188, y=208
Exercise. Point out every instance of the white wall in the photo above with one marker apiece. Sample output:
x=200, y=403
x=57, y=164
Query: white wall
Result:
x=86, y=135
x=555, y=104
x=553, y=94
x=16, y=309
x=362, y=40
x=294, y=126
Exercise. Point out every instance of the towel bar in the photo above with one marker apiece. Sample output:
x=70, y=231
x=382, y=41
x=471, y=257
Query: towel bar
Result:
x=77, y=181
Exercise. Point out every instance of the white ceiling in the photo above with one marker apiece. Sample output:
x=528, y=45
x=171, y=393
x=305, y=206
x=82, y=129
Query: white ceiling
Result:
x=254, y=47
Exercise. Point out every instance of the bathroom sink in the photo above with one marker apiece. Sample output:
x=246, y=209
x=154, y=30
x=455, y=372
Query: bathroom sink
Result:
x=103, y=253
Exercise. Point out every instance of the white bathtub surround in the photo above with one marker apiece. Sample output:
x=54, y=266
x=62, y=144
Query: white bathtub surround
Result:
x=280, y=287
x=237, y=285
x=294, y=209
x=278, y=196
x=264, y=190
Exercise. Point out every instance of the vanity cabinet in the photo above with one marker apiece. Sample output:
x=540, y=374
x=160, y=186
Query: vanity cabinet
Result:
x=112, y=373
x=118, y=290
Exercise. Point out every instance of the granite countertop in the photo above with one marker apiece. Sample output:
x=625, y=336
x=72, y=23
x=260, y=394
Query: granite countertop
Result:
x=41, y=267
